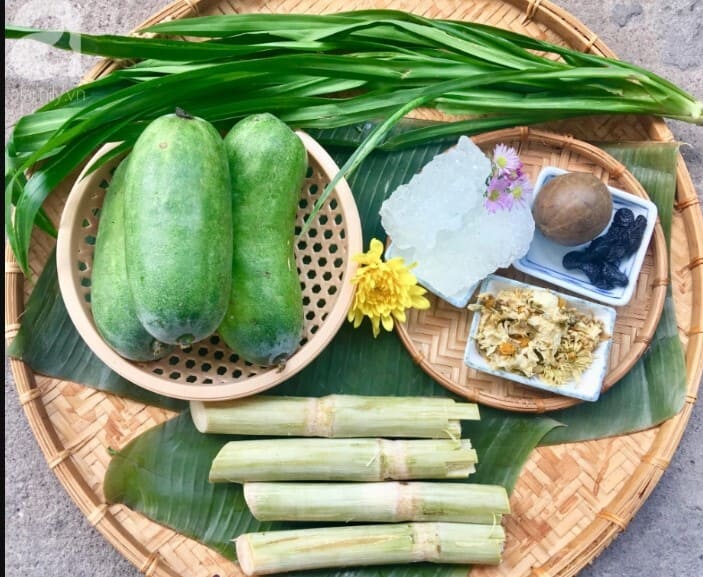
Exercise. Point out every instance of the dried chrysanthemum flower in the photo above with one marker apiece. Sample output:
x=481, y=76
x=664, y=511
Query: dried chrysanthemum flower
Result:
x=384, y=290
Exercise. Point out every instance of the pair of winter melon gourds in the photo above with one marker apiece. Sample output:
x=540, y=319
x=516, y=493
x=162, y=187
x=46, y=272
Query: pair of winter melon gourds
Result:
x=196, y=236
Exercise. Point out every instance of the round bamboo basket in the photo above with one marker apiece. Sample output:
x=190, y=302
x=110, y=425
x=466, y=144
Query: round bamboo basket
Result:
x=436, y=338
x=208, y=370
x=570, y=501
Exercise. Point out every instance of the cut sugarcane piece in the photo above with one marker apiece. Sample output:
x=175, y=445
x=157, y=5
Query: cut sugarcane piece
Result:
x=357, y=545
x=388, y=502
x=335, y=416
x=303, y=459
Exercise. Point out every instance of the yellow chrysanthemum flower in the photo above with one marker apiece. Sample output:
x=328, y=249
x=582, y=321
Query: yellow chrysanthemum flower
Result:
x=384, y=289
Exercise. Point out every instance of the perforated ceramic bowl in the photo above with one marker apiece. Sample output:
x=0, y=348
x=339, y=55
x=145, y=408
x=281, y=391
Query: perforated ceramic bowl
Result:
x=209, y=370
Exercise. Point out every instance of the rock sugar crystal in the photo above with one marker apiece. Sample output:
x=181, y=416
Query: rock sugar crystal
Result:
x=438, y=220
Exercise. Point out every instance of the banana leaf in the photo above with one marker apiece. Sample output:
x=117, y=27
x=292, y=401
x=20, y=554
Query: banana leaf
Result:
x=654, y=165
x=49, y=343
x=163, y=474
x=655, y=388
x=149, y=475
x=353, y=363
x=652, y=392
x=503, y=441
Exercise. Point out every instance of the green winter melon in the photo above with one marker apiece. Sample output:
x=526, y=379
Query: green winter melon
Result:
x=111, y=299
x=178, y=218
x=267, y=162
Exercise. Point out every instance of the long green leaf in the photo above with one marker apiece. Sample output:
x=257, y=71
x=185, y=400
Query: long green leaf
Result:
x=114, y=46
x=13, y=192
x=224, y=25
x=373, y=139
x=42, y=182
x=496, y=42
x=390, y=54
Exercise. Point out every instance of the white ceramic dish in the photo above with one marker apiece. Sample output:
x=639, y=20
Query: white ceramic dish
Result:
x=544, y=257
x=588, y=385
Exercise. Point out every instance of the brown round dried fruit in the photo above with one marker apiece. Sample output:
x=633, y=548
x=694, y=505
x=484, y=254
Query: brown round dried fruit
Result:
x=573, y=208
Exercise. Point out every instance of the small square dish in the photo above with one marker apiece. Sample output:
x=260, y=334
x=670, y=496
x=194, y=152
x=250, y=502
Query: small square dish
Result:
x=544, y=258
x=587, y=385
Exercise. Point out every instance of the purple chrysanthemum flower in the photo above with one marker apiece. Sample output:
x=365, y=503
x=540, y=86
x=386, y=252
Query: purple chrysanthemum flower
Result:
x=520, y=190
x=507, y=185
x=506, y=160
x=497, y=195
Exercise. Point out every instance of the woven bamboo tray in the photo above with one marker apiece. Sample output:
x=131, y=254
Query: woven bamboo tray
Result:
x=570, y=502
x=211, y=371
x=436, y=337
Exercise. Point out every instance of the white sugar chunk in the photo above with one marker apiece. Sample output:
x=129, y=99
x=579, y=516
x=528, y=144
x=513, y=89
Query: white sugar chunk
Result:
x=438, y=197
x=439, y=222
x=487, y=242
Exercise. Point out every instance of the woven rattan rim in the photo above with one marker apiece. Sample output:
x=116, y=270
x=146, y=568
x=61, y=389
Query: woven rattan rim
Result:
x=579, y=549
x=445, y=342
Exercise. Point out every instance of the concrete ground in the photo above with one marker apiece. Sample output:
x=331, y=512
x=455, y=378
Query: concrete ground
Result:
x=45, y=533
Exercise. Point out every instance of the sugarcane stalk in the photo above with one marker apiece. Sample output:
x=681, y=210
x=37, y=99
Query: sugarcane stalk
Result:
x=389, y=502
x=357, y=545
x=303, y=459
x=335, y=416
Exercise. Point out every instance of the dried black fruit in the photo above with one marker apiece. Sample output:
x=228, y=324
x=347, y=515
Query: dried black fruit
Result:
x=623, y=217
x=636, y=234
x=617, y=251
x=612, y=275
x=598, y=249
x=600, y=260
x=574, y=259
x=591, y=270
x=604, y=275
